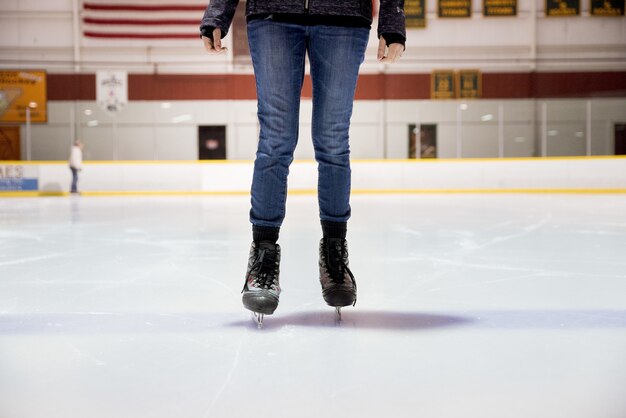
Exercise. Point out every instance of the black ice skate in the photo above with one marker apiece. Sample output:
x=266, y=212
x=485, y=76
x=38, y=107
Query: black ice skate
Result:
x=261, y=289
x=338, y=284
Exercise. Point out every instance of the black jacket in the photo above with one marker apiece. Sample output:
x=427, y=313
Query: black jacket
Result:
x=219, y=13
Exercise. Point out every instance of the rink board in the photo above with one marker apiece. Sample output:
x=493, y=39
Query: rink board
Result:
x=528, y=175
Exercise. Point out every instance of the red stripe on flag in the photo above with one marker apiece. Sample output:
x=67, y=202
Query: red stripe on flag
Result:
x=142, y=22
x=104, y=35
x=144, y=8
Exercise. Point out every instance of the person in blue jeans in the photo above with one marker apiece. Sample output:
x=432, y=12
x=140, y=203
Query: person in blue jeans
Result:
x=334, y=34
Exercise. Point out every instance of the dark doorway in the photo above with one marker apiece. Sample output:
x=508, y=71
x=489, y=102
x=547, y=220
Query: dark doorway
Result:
x=10, y=143
x=212, y=142
x=620, y=139
x=426, y=147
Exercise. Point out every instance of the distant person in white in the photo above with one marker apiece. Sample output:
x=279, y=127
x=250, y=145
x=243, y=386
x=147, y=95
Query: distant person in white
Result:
x=76, y=163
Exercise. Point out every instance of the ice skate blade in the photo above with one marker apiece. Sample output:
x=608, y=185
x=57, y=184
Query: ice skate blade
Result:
x=258, y=319
x=338, y=313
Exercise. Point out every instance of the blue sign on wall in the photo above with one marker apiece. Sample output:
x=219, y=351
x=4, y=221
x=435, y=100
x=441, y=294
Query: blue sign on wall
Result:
x=15, y=177
x=19, y=184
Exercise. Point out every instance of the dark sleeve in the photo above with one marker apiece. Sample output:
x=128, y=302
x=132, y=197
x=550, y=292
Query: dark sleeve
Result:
x=208, y=32
x=394, y=38
x=218, y=14
x=391, y=18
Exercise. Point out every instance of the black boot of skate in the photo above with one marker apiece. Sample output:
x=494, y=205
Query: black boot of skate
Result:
x=262, y=289
x=338, y=284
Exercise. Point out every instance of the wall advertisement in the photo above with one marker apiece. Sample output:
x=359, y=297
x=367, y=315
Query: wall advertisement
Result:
x=21, y=90
x=499, y=8
x=443, y=84
x=558, y=8
x=607, y=8
x=18, y=177
x=112, y=90
x=470, y=84
x=415, y=13
x=455, y=8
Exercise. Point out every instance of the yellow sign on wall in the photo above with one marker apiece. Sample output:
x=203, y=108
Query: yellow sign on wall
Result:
x=499, y=7
x=415, y=13
x=607, y=8
x=455, y=8
x=443, y=84
x=557, y=8
x=470, y=84
x=21, y=90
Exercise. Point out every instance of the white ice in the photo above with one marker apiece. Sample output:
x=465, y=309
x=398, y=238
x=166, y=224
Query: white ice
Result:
x=503, y=306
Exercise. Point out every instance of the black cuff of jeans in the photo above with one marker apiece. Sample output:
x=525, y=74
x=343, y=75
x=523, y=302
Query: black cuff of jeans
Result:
x=394, y=38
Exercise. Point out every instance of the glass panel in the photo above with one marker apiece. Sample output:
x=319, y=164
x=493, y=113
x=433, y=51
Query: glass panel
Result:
x=566, y=128
x=168, y=130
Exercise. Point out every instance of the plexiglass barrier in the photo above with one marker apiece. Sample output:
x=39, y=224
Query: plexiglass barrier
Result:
x=398, y=129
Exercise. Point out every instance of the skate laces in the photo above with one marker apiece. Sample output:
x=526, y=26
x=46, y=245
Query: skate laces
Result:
x=337, y=261
x=265, y=268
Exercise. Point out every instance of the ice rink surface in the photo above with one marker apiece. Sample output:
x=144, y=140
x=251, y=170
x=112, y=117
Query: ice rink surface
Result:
x=483, y=306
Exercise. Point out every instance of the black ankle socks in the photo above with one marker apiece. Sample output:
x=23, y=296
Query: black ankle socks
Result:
x=334, y=229
x=265, y=233
x=329, y=229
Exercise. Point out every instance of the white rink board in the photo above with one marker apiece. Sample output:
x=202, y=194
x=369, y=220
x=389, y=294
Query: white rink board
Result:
x=394, y=175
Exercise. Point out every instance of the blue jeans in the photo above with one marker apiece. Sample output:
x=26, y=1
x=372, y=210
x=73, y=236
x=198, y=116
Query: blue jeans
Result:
x=74, y=180
x=278, y=52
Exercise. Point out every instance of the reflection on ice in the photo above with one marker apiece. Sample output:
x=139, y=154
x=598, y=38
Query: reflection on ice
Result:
x=101, y=322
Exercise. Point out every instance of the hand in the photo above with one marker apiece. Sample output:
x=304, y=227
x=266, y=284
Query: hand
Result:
x=393, y=53
x=214, y=47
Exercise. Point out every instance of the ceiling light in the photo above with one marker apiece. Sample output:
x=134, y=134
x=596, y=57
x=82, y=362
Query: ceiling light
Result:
x=182, y=118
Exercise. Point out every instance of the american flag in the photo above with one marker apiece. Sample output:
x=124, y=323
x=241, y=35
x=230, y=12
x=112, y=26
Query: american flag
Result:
x=146, y=20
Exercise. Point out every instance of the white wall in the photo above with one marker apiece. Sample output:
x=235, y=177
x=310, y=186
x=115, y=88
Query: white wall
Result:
x=40, y=34
x=145, y=131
